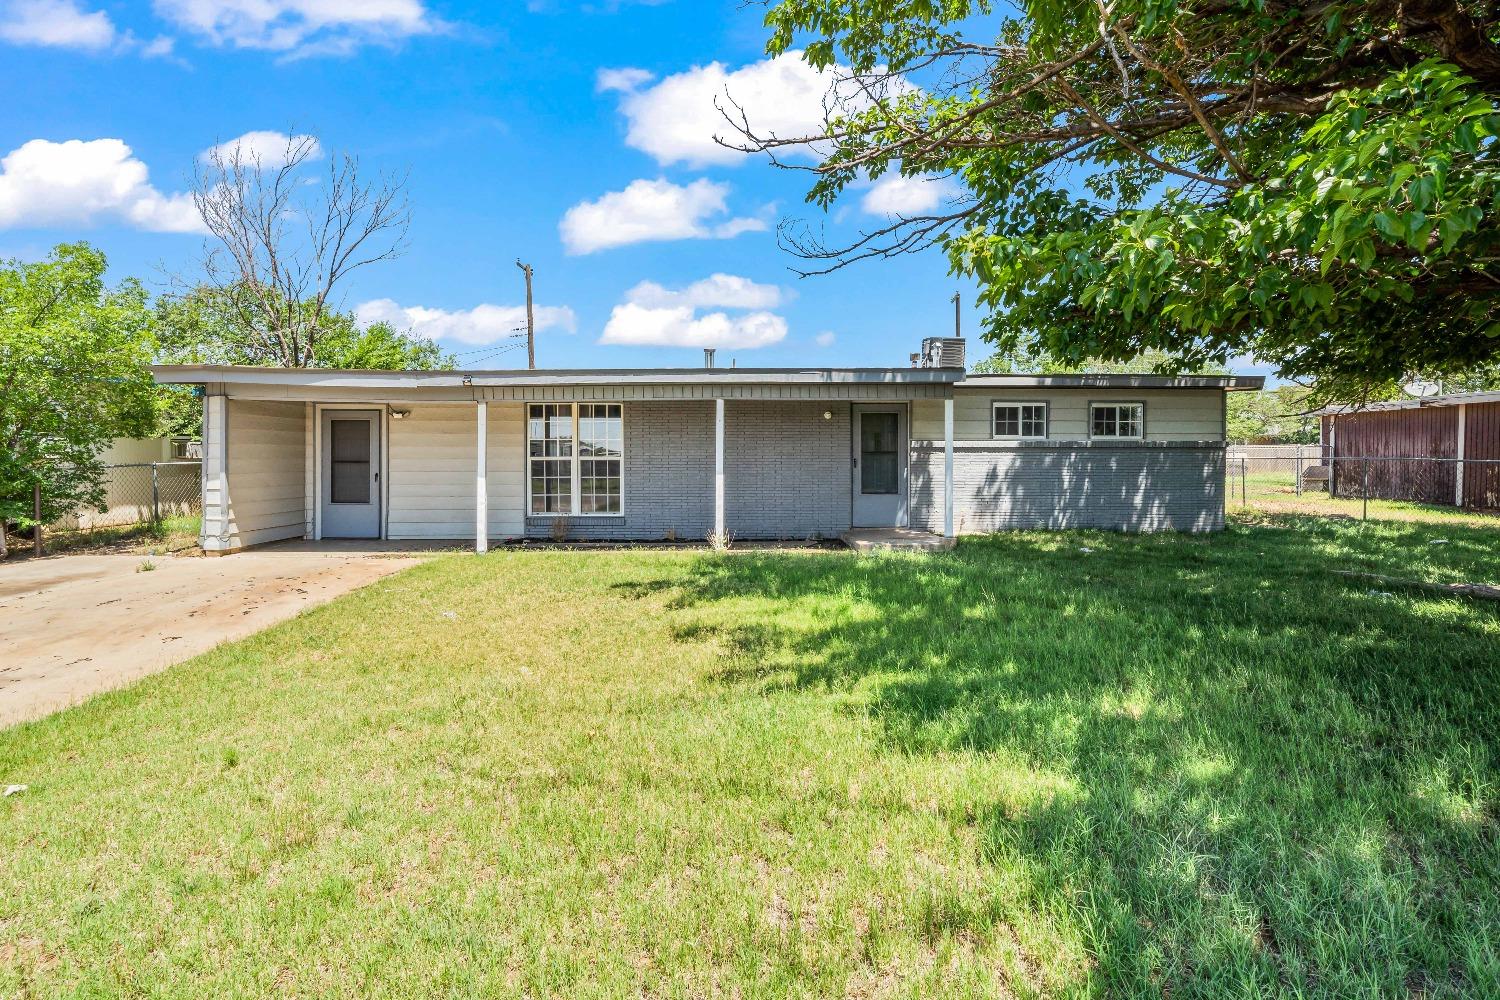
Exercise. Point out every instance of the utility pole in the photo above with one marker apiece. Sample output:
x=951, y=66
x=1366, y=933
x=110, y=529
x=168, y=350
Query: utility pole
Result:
x=530, y=322
x=956, y=326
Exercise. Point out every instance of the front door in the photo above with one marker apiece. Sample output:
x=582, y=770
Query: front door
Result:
x=879, y=466
x=351, y=474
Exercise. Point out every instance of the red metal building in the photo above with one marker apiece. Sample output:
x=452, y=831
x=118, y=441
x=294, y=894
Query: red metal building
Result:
x=1440, y=450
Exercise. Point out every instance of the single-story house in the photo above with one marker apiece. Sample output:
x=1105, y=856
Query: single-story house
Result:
x=742, y=453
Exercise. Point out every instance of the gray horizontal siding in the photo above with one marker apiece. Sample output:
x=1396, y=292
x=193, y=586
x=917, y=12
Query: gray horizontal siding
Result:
x=786, y=473
x=1123, y=487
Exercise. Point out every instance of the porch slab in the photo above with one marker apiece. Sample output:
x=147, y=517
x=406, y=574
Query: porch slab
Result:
x=895, y=540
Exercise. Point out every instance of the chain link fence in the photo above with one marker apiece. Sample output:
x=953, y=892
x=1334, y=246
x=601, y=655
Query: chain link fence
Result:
x=142, y=493
x=1302, y=479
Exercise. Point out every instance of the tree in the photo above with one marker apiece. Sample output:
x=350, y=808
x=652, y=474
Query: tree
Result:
x=204, y=326
x=1276, y=416
x=1146, y=363
x=1308, y=183
x=283, y=244
x=73, y=375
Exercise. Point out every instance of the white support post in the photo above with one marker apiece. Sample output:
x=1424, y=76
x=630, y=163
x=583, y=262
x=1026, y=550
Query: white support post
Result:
x=214, y=535
x=1458, y=478
x=719, y=471
x=481, y=483
x=948, y=467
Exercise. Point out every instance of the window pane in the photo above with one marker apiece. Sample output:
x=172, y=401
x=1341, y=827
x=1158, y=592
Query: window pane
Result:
x=1122, y=420
x=350, y=482
x=600, y=430
x=1007, y=421
x=1034, y=420
x=878, y=459
x=877, y=473
x=349, y=457
x=549, y=429
x=599, y=486
x=350, y=440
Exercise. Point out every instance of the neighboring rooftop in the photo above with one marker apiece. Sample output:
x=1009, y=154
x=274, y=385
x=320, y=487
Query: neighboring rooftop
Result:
x=1447, y=399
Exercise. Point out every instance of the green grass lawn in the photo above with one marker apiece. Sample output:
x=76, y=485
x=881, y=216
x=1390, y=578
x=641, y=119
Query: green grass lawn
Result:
x=1169, y=766
x=1276, y=493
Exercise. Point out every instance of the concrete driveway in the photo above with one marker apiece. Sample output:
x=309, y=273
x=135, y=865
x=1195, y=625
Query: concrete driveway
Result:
x=72, y=626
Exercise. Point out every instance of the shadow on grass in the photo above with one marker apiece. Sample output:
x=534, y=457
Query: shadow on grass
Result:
x=1275, y=781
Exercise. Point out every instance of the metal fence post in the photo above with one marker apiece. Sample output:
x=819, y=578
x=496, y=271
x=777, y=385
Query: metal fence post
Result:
x=1299, y=470
x=1365, y=513
x=36, y=515
x=155, y=496
x=1244, y=496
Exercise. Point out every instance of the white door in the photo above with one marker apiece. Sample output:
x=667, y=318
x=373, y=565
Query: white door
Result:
x=351, y=474
x=879, y=466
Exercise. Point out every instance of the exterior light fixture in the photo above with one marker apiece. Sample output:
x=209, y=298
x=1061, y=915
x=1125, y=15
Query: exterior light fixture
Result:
x=827, y=414
x=468, y=380
x=400, y=414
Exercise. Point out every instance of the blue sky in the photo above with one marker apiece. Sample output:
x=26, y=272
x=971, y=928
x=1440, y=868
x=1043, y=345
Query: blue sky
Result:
x=577, y=136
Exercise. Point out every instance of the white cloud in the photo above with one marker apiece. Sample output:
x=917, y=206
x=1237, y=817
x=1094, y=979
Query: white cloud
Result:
x=482, y=325
x=678, y=327
x=676, y=119
x=160, y=47
x=651, y=211
x=303, y=27
x=59, y=23
x=825, y=339
x=725, y=291
x=269, y=149
x=625, y=78
x=907, y=196
x=77, y=183
x=653, y=315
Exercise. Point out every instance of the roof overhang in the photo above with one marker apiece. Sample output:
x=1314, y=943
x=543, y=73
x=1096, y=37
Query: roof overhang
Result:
x=342, y=378
x=1230, y=383
x=337, y=385
x=1449, y=399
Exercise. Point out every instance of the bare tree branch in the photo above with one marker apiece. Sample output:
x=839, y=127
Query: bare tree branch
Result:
x=282, y=243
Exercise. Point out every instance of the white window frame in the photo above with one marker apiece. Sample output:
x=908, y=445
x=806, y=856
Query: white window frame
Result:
x=1116, y=403
x=995, y=405
x=575, y=462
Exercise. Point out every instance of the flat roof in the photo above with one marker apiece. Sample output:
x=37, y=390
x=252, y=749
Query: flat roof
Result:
x=1447, y=399
x=1231, y=383
x=379, y=379
x=368, y=378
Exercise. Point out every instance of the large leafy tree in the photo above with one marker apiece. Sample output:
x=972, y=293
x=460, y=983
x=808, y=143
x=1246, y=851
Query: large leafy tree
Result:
x=73, y=375
x=1311, y=183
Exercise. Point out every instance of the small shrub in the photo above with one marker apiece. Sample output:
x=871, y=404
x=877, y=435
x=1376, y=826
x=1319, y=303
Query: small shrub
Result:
x=146, y=566
x=560, y=528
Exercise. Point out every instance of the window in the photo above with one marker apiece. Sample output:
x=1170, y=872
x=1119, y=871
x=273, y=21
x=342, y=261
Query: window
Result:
x=879, y=460
x=601, y=443
x=562, y=482
x=1020, y=420
x=350, y=473
x=1117, y=420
